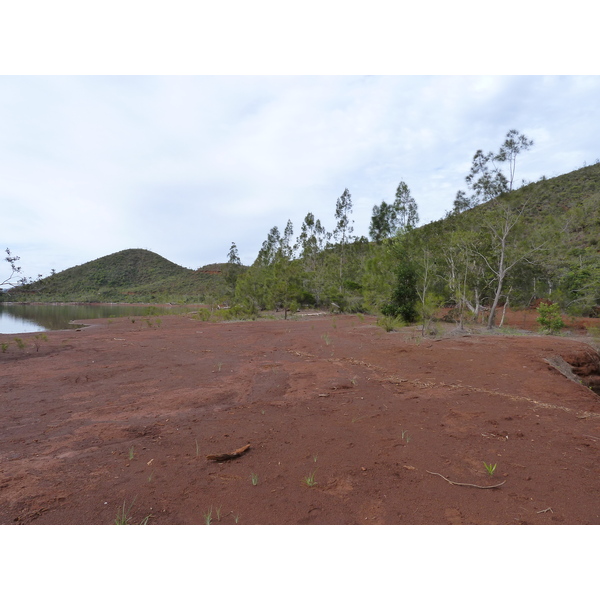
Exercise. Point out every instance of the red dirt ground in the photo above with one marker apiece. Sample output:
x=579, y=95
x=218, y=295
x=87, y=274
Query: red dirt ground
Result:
x=384, y=421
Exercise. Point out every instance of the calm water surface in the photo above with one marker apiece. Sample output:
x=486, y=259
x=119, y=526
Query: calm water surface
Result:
x=25, y=318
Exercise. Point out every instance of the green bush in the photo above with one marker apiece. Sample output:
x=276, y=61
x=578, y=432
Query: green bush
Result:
x=404, y=295
x=549, y=318
x=390, y=323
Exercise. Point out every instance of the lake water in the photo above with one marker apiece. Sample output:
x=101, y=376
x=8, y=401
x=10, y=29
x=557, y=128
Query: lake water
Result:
x=25, y=318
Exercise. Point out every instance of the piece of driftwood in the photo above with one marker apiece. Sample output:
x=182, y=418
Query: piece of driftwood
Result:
x=481, y=487
x=229, y=456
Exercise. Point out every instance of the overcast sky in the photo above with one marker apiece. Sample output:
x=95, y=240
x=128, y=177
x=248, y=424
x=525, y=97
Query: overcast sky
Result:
x=186, y=165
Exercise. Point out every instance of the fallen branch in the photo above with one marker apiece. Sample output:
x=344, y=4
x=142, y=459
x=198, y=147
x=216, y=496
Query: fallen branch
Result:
x=229, y=456
x=481, y=487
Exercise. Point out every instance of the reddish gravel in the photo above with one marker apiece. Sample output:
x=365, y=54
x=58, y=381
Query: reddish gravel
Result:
x=123, y=412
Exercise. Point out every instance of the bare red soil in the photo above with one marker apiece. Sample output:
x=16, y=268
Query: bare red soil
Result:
x=124, y=413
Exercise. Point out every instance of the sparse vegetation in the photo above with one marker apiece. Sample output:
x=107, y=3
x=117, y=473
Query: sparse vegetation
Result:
x=309, y=480
x=549, y=318
x=123, y=516
x=490, y=468
x=390, y=324
x=38, y=339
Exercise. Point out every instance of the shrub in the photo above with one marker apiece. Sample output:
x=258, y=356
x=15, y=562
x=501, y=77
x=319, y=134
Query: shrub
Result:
x=549, y=318
x=404, y=295
x=390, y=323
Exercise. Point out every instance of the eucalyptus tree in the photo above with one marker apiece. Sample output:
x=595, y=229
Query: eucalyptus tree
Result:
x=492, y=173
x=405, y=209
x=503, y=231
x=253, y=287
x=233, y=267
x=273, y=279
x=388, y=219
x=233, y=257
x=14, y=269
x=343, y=231
x=311, y=244
x=382, y=224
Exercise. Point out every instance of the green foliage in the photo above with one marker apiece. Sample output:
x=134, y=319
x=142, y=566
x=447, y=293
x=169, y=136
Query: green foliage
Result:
x=538, y=241
x=129, y=276
x=123, y=514
x=492, y=174
x=549, y=318
x=404, y=295
x=310, y=480
x=490, y=468
x=390, y=323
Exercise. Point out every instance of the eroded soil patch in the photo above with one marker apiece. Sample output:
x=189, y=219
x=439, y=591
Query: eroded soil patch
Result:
x=118, y=414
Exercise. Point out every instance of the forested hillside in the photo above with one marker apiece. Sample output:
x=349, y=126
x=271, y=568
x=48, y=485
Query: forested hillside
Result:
x=502, y=243
x=540, y=241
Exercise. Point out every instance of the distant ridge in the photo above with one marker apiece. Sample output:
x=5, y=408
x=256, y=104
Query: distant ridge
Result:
x=133, y=275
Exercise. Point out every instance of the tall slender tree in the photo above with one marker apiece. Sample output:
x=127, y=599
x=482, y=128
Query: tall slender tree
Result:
x=383, y=222
x=343, y=230
x=14, y=269
x=233, y=257
x=405, y=208
x=487, y=178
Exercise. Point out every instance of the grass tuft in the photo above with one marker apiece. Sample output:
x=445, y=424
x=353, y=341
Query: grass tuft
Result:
x=310, y=480
x=490, y=468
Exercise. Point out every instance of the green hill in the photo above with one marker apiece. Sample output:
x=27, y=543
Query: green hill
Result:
x=128, y=276
x=560, y=218
x=549, y=250
x=556, y=241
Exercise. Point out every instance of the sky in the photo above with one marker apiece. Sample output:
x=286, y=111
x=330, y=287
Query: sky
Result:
x=186, y=165
x=184, y=132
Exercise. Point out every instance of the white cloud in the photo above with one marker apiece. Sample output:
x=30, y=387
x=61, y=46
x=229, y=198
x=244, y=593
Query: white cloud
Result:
x=186, y=165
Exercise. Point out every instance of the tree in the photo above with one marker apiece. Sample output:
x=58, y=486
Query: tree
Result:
x=404, y=297
x=388, y=219
x=343, y=230
x=506, y=248
x=311, y=243
x=233, y=258
x=513, y=145
x=273, y=279
x=405, y=209
x=233, y=267
x=405, y=294
x=487, y=180
x=14, y=269
x=382, y=222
